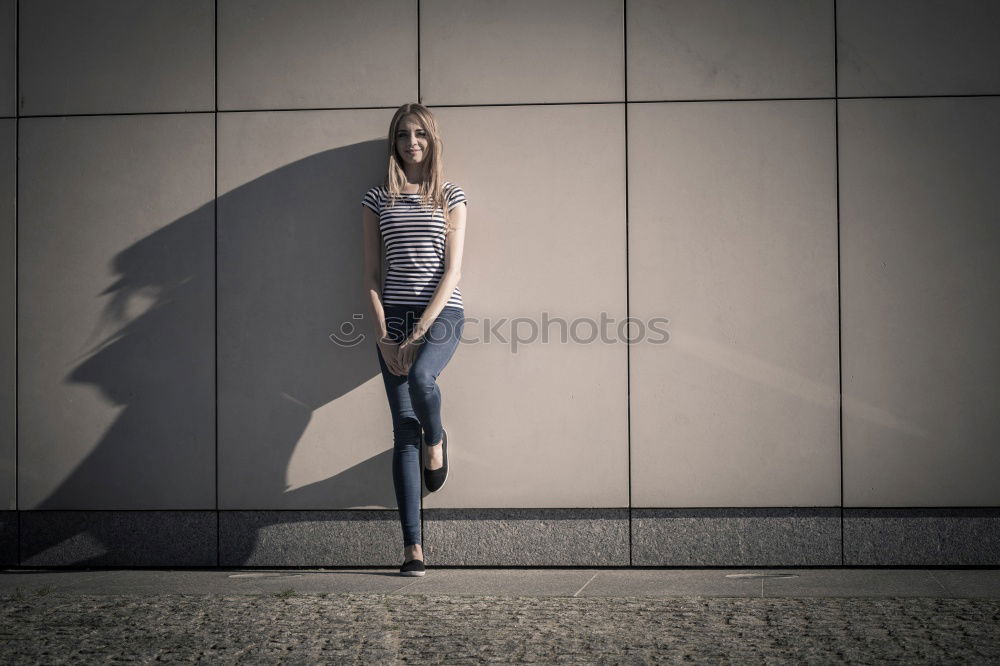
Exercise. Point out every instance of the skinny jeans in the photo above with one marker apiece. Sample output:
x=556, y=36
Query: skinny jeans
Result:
x=415, y=402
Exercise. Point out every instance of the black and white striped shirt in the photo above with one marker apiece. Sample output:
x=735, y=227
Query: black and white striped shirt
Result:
x=414, y=245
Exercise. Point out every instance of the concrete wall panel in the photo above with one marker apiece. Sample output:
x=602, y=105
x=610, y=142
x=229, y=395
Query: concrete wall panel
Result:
x=521, y=51
x=732, y=236
x=116, y=56
x=729, y=49
x=303, y=422
x=116, y=381
x=918, y=47
x=317, y=53
x=8, y=58
x=8, y=315
x=920, y=282
x=539, y=424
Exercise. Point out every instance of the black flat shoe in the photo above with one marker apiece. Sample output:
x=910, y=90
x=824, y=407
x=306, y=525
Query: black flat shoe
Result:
x=434, y=478
x=412, y=568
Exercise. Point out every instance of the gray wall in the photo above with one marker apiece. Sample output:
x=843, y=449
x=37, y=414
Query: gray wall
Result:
x=806, y=190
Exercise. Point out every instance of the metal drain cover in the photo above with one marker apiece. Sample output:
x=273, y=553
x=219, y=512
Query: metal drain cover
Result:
x=762, y=575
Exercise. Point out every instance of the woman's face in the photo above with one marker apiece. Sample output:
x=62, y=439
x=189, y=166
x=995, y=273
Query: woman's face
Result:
x=411, y=140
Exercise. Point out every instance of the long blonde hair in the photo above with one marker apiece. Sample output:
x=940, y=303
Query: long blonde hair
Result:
x=431, y=188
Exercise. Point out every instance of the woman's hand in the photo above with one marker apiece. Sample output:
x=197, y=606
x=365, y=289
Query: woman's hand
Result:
x=410, y=347
x=390, y=353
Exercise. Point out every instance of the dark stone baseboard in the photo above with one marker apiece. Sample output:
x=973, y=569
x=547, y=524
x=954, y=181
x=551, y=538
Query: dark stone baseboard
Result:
x=310, y=538
x=146, y=538
x=583, y=537
x=736, y=537
x=922, y=537
x=8, y=538
x=526, y=537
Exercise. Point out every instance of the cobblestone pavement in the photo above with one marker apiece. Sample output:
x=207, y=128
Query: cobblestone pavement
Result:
x=287, y=627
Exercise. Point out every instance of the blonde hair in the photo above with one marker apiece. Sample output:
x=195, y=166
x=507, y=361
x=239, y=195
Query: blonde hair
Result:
x=431, y=188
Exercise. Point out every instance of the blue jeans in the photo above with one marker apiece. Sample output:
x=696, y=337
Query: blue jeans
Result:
x=415, y=403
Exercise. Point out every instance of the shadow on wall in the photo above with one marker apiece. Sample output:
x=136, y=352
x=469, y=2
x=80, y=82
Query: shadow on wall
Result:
x=290, y=254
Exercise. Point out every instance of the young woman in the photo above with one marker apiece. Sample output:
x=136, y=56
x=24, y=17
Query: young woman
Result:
x=419, y=315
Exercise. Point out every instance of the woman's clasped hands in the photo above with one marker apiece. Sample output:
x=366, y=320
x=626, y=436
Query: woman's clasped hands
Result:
x=400, y=356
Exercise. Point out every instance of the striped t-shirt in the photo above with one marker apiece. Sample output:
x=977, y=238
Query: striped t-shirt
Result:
x=414, y=245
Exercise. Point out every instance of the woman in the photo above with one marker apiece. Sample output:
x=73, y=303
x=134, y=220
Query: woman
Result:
x=419, y=314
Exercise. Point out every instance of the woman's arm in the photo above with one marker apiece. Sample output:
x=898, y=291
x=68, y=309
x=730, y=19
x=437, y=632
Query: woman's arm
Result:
x=454, y=245
x=373, y=287
x=373, y=271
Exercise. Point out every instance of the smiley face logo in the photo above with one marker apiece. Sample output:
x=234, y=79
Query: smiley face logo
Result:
x=348, y=335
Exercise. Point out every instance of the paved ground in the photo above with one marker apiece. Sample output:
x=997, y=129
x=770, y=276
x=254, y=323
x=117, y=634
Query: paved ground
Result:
x=470, y=616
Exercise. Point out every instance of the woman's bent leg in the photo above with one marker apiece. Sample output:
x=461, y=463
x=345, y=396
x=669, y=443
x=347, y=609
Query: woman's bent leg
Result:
x=439, y=345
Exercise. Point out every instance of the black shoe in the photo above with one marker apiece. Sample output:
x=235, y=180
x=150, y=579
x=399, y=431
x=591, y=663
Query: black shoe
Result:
x=434, y=478
x=412, y=568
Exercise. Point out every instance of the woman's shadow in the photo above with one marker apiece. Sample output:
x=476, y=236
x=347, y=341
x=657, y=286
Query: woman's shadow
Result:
x=283, y=270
